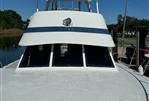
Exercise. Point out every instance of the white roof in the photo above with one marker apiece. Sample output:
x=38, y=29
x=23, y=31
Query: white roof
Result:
x=39, y=38
x=46, y=27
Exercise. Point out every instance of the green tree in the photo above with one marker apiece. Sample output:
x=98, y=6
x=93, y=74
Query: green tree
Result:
x=10, y=19
x=132, y=23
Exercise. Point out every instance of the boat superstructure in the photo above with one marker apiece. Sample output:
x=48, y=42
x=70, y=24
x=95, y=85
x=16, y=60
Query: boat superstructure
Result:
x=68, y=58
x=67, y=37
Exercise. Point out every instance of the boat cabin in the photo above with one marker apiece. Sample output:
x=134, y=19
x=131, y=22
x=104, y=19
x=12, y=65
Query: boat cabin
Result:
x=67, y=34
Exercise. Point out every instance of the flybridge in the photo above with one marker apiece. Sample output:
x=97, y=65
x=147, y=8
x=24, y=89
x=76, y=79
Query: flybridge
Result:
x=76, y=25
x=76, y=5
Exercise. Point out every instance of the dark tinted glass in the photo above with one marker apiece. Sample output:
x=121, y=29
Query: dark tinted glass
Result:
x=36, y=56
x=67, y=55
x=98, y=57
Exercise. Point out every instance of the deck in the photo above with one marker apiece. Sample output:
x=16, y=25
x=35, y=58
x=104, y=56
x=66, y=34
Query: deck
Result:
x=73, y=85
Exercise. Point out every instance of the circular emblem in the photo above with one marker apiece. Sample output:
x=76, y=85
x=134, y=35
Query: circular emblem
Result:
x=67, y=22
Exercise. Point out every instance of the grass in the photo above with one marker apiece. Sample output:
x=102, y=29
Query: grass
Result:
x=147, y=39
x=127, y=41
x=11, y=32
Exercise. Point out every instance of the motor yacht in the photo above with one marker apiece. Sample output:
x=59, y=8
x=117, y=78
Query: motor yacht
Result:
x=68, y=58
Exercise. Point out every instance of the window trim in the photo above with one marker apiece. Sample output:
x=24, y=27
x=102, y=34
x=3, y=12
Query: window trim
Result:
x=84, y=57
x=51, y=55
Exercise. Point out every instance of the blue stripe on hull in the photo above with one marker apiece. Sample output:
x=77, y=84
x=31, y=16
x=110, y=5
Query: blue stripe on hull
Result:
x=67, y=29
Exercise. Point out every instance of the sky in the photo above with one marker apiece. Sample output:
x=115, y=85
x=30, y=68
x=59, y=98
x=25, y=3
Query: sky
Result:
x=110, y=9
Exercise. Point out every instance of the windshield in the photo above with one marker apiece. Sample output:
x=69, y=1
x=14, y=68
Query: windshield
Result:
x=66, y=55
x=76, y=5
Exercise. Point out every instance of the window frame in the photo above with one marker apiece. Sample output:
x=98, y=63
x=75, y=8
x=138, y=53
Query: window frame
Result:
x=81, y=67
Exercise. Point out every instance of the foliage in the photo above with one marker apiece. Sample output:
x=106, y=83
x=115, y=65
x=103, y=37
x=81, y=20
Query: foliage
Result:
x=13, y=32
x=10, y=19
x=7, y=43
x=132, y=23
x=146, y=39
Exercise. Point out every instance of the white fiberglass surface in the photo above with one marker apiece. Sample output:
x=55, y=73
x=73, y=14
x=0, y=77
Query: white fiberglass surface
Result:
x=69, y=86
x=30, y=39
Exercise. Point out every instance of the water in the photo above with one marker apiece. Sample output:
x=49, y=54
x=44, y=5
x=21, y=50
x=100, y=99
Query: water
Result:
x=8, y=56
x=9, y=50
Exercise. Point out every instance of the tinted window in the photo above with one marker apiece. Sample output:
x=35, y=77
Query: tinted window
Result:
x=36, y=56
x=98, y=57
x=67, y=55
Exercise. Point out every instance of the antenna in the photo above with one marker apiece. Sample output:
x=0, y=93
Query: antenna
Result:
x=47, y=5
x=37, y=9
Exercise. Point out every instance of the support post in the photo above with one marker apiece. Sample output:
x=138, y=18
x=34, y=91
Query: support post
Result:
x=124, y=25
x=37, y=9
x=51, y=55
x=137, y=48
x=97, y=5
x=47, y=5
x=83, y=54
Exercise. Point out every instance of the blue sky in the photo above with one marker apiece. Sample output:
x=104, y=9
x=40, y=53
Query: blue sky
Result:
x=109, y=8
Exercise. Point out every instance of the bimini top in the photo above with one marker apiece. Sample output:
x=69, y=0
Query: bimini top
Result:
x=73, y=27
